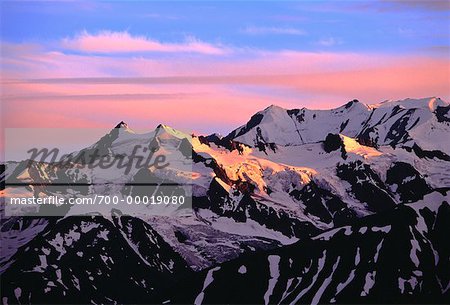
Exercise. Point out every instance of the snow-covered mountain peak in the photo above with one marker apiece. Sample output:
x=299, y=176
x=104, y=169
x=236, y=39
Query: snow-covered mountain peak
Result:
x=273, y=108
x=123, y=127
x=354, y=105
x=167, y=131
x=273, y=113
x=394, y=123
x=430, y=103
x=122, y=124
x=289, y=127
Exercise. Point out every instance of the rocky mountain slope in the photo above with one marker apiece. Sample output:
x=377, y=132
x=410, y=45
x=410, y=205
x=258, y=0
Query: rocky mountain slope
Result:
x=347, y=205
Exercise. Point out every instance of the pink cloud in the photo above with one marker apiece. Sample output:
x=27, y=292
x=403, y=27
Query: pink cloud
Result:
x=208, y=112
x=201, y=93
x=302, y=77
x=123, y=42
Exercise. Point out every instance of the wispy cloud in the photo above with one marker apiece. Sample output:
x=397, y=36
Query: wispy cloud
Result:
x=254, y=30
x=123, y=42
x=377, y=76
x=110, y=88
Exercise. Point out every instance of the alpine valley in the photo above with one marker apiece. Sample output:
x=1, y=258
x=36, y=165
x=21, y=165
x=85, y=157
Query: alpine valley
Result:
x=297, y=206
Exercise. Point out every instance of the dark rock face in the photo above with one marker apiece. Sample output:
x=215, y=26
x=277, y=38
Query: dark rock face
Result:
x=298, y=114
x=205, y=140
x=261, y=143
x=366, y=185
x=443, y=114
x=350, y=104
x=332, y=142
x=382, y=258
x=254, y=121
x=343, y=125
x=364, y=138
x=399, y=122
x=17, y=232
x=246, y=207
x=439, y=238
x=122, y=124
x=2, y=174
x=407, y=181
x=398, y=133
x=323, y=204
x=378, y=259
x=429, y=154
x=90, y=259
x=222, y=142
x=213, y=138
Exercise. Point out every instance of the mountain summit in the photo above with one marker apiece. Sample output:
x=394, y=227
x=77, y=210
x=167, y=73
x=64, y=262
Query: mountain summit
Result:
x=395, y=123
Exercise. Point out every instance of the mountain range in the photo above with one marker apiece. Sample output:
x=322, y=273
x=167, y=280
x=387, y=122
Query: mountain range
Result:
x=297, y=206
